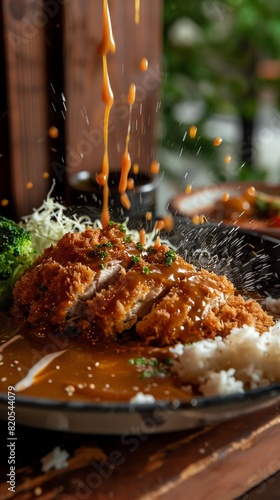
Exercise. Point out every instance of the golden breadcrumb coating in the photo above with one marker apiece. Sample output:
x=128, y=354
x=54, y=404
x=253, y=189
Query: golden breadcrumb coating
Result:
x=180, y=315
x=100, y=284
x=46, y=293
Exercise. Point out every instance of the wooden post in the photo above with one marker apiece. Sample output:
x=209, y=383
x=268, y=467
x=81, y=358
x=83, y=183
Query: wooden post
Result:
x=28, y=28
x=24, y=27
x=83, y=80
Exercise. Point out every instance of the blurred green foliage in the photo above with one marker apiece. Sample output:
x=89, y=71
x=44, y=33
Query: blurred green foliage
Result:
x=212, y=49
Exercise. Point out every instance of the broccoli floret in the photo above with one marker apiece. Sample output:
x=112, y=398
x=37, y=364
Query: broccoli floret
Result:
x=16, y=255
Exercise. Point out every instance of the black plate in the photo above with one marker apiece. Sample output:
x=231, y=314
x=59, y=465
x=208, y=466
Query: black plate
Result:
x=252, y=262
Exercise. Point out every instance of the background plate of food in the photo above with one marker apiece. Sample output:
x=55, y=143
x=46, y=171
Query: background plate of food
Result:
x=185, y=333
x=251, y=205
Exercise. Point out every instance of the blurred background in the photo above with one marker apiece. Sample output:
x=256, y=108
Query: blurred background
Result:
x=213, y=64
x=222, y=66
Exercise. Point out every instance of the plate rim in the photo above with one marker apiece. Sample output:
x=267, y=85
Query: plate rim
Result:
x=193, y=403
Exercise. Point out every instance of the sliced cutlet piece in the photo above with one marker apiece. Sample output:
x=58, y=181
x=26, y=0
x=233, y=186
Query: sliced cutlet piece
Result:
x=180, y=315
x=113, y=310
x=75, y=268
x=236, y=313
x=46, y=294
x=132, y=296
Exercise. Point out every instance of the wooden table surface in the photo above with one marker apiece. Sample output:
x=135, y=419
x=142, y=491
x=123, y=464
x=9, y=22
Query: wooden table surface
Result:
x=223, y=461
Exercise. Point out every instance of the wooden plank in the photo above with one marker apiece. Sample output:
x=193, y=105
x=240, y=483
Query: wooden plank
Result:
x=83, y=77
x=24, y=24
x=5, y=183
x=216, y=462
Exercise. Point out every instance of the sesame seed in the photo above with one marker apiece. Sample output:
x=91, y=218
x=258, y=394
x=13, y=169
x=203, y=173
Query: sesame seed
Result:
x=70, y=389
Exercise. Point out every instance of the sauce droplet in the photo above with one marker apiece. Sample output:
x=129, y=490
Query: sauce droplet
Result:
x=131, y=94
x=217, y=141
x=251, y=191
x=225, y=197
x=137, y=11
x=160, y=224
x=155, y=167
x=29, y=185
x=126, y=160
x=135, y=168
x=130, y=183
x=193, y=131
x=157, y=243
x=144, y=64
x=53, y=132
x=125, y=201
x=108, y=43
x=227, y=159
x=142, y=237
x=195, y=219
x=168, y=222
x=148, y=215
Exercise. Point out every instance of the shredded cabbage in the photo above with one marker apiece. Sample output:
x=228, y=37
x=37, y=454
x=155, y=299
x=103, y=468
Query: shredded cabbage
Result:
x=48, y=223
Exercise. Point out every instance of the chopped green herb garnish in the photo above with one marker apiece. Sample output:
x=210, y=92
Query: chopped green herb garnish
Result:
x=151, y=367
x=153, y=373
x=170, y=257
x=102, y=254
x=139, y=246
x=144, y=361
x=151, y=250
x=135, y=258
x=122, y=228
x=127, y=239
x=167, y=361
x=146, y=270
x=102, y=266
x=108, y=244
x=111, y=223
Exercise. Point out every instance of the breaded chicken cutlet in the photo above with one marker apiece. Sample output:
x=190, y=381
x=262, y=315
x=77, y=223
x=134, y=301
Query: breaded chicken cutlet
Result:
x=100, y=283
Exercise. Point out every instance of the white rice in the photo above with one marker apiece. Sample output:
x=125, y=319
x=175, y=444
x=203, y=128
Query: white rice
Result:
x=243, y=360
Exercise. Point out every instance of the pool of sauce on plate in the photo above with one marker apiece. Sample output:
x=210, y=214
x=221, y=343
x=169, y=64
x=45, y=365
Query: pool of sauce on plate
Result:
x=82, y=372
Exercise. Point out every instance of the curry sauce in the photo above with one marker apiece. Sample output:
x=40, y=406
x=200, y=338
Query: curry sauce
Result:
x=77, y=371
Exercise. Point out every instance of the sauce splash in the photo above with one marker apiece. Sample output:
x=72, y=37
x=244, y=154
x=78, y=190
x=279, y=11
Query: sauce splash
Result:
x=107, y=45
x=126, y=160
x=137, y=11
